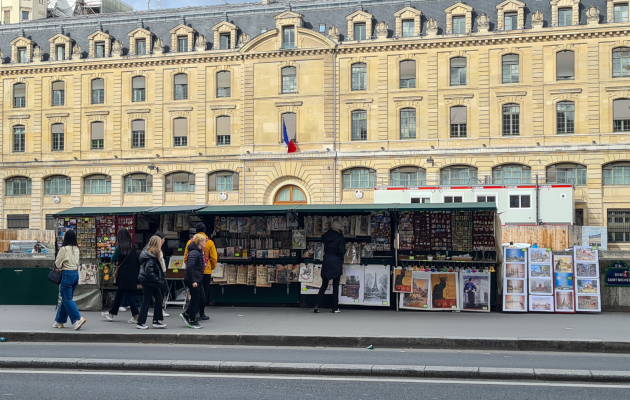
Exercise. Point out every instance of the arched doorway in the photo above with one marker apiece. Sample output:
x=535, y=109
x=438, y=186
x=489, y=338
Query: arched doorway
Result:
x=290, y=194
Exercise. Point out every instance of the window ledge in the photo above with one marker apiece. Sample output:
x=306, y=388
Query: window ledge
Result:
x=19, y=116
x=57, y=115
x=292, y=103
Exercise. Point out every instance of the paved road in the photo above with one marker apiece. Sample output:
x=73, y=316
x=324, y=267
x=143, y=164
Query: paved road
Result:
x=498, y=359
x=25, y=385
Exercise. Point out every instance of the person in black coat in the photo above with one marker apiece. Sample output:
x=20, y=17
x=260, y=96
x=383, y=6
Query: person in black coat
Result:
x=127, y=278
x=332, y=267
x=153, y=280
x=193, y=279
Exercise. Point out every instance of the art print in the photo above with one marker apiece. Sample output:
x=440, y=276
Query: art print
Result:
x=516, y=286
x=292, y=221
x=241, y=276
x=309, y=226
x=281, y=274
x=418, y=299
x=402, y=280
x=515, y=271
x=564, y=301
x=326, y=224
x=309, y=252
x=587, y=286
x=541, y=286
x=233, y=225
x=563, y=280
x=352, y=291
x=306, y=272
x=251, y=275
x=539, y=255
x=587, y=270
x=563, y=263
x=232, y=274
x=317, y=277
x=318, y=225
x=271, y=274
x=376, y=289
x=475, y=290
x=540, y=271
x=88, y=274
x=588, y=303
x=444, y=293
x=176, y=262
x=514, y=255
x=541, y=303
x=515, y=303
x=293, y=273
x=262, y=276
x=299, y=239
x=587, y=254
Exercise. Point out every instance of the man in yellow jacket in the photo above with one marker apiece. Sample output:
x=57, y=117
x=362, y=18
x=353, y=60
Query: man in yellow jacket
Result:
x=210, y=258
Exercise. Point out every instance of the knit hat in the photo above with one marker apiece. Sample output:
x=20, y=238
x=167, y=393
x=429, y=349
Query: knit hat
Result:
x=336, y=225
x=200, y=227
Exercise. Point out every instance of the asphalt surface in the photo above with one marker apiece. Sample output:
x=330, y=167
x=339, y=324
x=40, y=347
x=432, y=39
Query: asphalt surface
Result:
x=25, y=385
x=497, y=359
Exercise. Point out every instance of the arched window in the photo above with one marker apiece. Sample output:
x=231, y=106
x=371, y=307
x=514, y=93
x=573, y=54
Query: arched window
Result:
x=224, y=130
x=566, y=173
x=223, y=181
x=358, y=178
x=97, y=184
x=139, y=183
x=180, y=132
x=408, y=177
x=408, y=123
x=98, y=135
x=359, y=125
x=459, y=122
x=621, y=61
x=511, y=174
x=565, y=112
x=57, y=185
x=18, y=186
x=510, y=68
x=138, y=84
x=621, y=115
x=58, y=93
x=19, y=139
x=58, y=142
x=19, y=95
x=224, y=83
x=179, y=182
x=289, y=81
x=565, y=65
x=98, y=91
x=181, y=87
x=138, y=127
x=290, y=195
x=359, y=76
x=458, y=71
x=407, y=74
x=617, y=173
x=458, y=175
x=511, y=120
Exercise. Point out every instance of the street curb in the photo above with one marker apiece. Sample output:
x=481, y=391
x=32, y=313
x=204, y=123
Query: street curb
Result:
x=312, y=369
x=402, y=342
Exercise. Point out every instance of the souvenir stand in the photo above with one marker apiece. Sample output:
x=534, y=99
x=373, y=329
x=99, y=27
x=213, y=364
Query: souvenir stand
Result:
x=587, y=284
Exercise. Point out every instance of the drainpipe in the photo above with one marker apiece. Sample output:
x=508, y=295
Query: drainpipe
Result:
x=244, y=172
x=335, y=177
x=538, y=222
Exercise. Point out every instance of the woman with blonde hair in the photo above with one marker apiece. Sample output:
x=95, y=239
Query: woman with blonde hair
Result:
x=153, y=280
x=193, y=279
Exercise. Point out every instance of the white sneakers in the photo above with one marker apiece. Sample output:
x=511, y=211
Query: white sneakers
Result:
x=122, y=309
x=164, y=314
x=79, y=323
x=149, y=314
x=143, y=327
x=58, y=325
x=159, y=325
x=107, y=316
x=133, y=320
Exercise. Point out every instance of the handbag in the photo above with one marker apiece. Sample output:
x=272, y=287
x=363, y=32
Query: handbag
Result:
x=54, y=276
x=117, y=266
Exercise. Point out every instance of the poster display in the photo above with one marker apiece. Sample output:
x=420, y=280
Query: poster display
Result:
x=88, y=274
x=444, y=291
x=475, y=291
x=377, y=282
x=563, y=276
x=402, y=280
x=515, y=274
x=420, y=294
x=352, y=290
x=587, y=284
x=541, y=303
x=595, y=236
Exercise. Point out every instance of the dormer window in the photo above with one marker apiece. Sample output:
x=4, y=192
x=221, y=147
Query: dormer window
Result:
x=225, y=41
x=408, y=28
x=100, y=49
x=459, y=24
x=22, y=55
x=288, y=37
x=182, y=43
x=60, y=51
x=510, y=21
x=360, y=31
x=141, y=47
x=565, y=16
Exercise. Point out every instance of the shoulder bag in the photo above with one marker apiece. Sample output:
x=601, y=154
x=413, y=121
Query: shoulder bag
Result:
x=54, y=276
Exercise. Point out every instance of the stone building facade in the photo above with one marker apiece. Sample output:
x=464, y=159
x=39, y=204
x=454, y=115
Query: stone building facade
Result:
x=187, y=106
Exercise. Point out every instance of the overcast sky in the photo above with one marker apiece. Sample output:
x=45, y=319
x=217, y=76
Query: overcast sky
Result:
x=141, y=5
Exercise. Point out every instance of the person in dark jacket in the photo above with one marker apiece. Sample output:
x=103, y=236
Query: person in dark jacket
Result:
x=153, y=282
x=334, y=251
x=127, y=278
x=193, y=279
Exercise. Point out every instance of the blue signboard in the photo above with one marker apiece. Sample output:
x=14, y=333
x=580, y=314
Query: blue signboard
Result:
x=618, y=274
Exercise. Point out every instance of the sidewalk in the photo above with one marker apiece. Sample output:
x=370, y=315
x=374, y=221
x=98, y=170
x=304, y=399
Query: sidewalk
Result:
x=606, y=332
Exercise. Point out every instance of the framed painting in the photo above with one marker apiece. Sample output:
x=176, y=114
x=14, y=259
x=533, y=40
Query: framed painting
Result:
x=475, y=291
x=515, y=303
x=562, y=263
x=420, y=294
x=539, y=256
x=540, y=271
x=444, y=291
x=541, y=303
x=515, y=255
x=586, y=254
x=541, y=286
x=565, y=301
x=588, y=303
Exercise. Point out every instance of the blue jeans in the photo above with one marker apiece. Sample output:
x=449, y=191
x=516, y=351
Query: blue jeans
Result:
x=69, y=282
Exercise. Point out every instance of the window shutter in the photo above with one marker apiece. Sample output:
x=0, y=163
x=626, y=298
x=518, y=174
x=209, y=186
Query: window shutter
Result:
x=57, y=128
x=235, y=181
x=180, y=127
x=98, y=84
x=149, y=178
x=223, y=126
x=212, y=182
x=59, y=85
x=458, y=62
x=408, y=69
x=565, y=61
x=223, y=79
x=180, y=177
x=288, y=71
x=621, y=109
x=181, y=79
x=138, y=82
x=19, y=90
x=290, y=121
x=458, y=115
x=137, y=125
x=98, y=130
x=510, y=58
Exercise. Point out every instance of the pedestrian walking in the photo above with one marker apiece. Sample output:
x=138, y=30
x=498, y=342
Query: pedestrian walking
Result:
x=153, y=280
x=334, y=251
x=163, y=265
x=68, y=262
x=126, y=276
x=210, y=263
x=194, y=279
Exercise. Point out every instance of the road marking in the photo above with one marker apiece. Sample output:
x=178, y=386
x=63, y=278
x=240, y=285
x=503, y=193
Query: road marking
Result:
x=320, y=378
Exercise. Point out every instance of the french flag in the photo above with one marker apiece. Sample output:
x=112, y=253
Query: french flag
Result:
x=287, y=140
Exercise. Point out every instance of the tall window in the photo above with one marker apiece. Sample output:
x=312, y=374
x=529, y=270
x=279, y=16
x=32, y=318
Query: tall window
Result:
x=290, y=195
x=7, y=17
x=359, y=125
x=289, y=81
x=98, y=91
x=19, y=95
x=565, y=65
x=565, y=117
x=224, y=79
x=58, y=93
x=565, y=16
x=60, y=51
x=100, y=49
x=407, y=74
x=510, y=21
x=97, y=184
x=180, y=132
x=181, y=87
x=621, y=115
x=621, y=62
x=288, y=37
x=138, y=134
x=459, y=122
x=572, y=174
x=618, y=226
x=621, y=12
x=360, y=31
x=138, y=89
x=22, y=56
x=182, y=44
x=511, y=174
x=225, y=39
x=408, y=28
x=24, y=15
x=223, y=181
x=511, y=120
x=98, y=135
x=458, y=71
x=138, y=183
x=289, y=120
x=616, y=173
x=359, y=178
x=141, y=47
x=408, y=123
x=458, y=175
x=57, y=137
x=408, y=177
x=18, y=186
x=19, y=139
x=459, y=24
x=179, y=182
x=224, y=130
x=510, y=68
x=56, y=185
x=359, y=76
